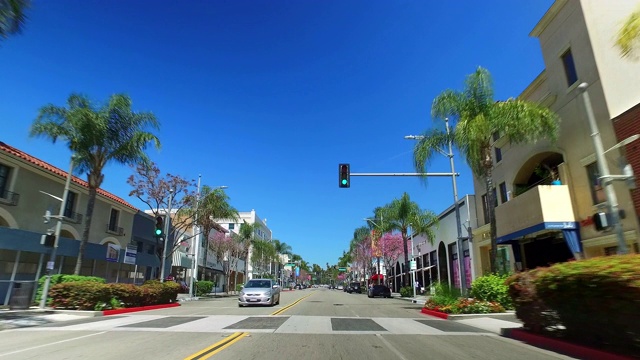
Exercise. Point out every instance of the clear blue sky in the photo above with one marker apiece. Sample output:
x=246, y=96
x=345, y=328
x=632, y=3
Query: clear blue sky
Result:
x=267, y=97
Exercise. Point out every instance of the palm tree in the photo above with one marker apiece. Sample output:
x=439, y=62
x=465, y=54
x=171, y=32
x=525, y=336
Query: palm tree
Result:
x=403, y=213
x=247, y=234
x=12, y=16
x=628, y=39
x=213, y=204
x=479, y=117
x=97, y=137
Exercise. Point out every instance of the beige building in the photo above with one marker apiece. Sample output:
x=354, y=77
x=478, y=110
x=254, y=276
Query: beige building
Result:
x=538, y=222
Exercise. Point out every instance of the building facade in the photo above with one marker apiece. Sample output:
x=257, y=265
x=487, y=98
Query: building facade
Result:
x=117, y=249
x=546, y=193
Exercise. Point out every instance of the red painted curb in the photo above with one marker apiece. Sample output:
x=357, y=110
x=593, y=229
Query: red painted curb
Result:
x=579, y=351
x=141, y=308
x=435, y=313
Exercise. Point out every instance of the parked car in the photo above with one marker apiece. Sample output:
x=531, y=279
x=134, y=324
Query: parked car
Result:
x=379, y=290
x=354, y=287
x=259, y=291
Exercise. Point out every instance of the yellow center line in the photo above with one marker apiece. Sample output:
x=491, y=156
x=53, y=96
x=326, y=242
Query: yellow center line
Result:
x=233, y=338
x=217, y=347
x=278, y=312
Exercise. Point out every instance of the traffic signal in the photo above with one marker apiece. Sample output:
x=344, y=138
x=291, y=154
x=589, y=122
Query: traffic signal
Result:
x=344, y=180
x=159, y=226
x=48, y=240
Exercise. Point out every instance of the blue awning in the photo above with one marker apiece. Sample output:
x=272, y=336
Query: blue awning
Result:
x=558, y=225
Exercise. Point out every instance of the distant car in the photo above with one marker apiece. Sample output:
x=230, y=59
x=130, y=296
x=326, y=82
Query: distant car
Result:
x=354, y=287
x=259, y=292
x=340, y=287
x=379, y=290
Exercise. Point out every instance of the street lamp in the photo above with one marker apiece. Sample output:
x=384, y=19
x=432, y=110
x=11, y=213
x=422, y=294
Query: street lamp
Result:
x=51, y=263
x=603, y=168
x=376, y=225
x=196, y=242
x=463, y=280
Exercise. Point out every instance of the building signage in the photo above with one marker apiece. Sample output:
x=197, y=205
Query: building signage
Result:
x=130, y=255
x=113, y=252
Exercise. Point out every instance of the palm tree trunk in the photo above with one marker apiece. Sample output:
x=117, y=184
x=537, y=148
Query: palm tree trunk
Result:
x=492, y=220
x=405, y=277
x=87, y=227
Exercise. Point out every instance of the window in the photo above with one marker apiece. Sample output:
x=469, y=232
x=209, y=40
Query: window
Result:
x=232, y=226
x=569, y=67
x=597, y=191
x=498, y=152
x=113, y=220
x=4, y=180
x=503, y=192
x=70, y=205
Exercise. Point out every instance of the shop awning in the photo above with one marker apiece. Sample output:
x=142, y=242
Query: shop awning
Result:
x=377, y=276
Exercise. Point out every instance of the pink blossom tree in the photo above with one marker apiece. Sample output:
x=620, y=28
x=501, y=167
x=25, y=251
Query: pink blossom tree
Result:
x=391, y=247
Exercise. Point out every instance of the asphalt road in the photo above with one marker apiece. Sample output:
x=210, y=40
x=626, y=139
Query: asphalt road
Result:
x=308, y=324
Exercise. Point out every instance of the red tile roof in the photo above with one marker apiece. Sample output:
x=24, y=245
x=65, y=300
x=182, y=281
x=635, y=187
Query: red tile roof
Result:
x=54, y=170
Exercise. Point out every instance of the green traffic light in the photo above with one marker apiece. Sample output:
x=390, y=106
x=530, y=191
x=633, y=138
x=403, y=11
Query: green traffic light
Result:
x=158, y=232
x=344, y=181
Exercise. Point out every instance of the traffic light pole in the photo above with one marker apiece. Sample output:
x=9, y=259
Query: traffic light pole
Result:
x=52, y=261
x=167, y=220
x=406, y=174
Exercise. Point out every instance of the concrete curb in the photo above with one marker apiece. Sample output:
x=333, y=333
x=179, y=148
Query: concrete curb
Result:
x=141, y=308
x=561, y=346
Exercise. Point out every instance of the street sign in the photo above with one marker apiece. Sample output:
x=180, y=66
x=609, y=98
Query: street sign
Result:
x=412, y=265
x=342, y=269
x=291, y=264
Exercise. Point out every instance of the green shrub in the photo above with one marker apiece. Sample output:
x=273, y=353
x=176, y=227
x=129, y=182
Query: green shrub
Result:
x=239, y=287
x=492, y=288
x=80, y=295
x=592, y=301
x=445, y=294
x=63, y=278
x=406, y=291
x=465, y=306
x=204, y=287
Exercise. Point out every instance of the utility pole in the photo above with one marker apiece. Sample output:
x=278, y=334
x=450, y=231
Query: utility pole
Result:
x=52, y=261
x=166, y=237
x=603, y=168
x=196, y=245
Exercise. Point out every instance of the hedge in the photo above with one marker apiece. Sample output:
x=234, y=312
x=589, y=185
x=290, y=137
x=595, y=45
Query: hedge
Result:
x=63, y=278
x=90, y=295
x=592, y=301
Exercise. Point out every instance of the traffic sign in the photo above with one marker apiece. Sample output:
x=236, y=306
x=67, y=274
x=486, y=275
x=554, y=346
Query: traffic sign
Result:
x=342, y=269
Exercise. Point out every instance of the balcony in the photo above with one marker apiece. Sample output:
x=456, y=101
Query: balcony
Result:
x=72, y=217
x=115, y=230
x=9, y=198
x=549, y=205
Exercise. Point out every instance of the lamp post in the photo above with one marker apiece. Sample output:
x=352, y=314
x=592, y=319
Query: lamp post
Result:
x=603, y=168
x=196, y=242
x=52, y=261
x=413, y=272
x=166, y=236
x=376, y=225
x=463, y=280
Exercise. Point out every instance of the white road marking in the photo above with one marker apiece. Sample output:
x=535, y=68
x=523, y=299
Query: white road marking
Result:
x=391, y=347
x=53, y=343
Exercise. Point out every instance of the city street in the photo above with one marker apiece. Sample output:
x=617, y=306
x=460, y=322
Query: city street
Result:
x=309, y=324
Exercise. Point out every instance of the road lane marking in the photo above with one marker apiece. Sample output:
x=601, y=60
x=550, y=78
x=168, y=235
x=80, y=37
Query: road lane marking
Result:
x=278, y=312
x=53, y=343
x=217, y=347
x=391, y=347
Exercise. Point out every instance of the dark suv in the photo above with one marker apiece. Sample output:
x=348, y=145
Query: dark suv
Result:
x=379, y=290
x=354, y=287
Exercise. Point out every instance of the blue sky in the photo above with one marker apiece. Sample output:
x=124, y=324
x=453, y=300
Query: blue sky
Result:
x=267, y=97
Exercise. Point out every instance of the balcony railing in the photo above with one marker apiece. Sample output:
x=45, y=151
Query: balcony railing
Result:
x=9, y=198
x=112, y=229
x=73, y=217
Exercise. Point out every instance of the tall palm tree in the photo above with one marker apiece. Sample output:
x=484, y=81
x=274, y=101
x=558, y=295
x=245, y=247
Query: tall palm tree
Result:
x=97, y=136
x=12, y=16
x=282, y=247
x=628, y=38
x=213, y=204
x=478, y=118
x=402, y=214
x=247, y=234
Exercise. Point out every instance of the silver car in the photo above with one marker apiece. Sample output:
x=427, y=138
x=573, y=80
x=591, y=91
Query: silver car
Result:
x=259, y=291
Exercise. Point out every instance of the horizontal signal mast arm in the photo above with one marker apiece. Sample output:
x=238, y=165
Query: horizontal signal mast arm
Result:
x=405, y=174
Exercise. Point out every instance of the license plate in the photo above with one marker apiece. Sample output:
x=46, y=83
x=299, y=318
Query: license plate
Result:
x=254, y=300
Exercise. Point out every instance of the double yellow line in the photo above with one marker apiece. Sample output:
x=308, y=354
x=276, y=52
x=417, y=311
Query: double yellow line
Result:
x=217, y=347
x=278, y=312
x=225, y=343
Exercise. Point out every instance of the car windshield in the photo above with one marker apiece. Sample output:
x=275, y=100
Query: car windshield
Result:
x=258, y=284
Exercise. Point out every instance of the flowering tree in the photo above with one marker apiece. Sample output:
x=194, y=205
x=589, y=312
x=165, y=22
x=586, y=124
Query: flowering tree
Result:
x=221, y=245
x=361, y=255
x=391, y=247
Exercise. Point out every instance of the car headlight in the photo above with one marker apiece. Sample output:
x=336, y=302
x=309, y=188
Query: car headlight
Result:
x=268, y=293
x=241, y=293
